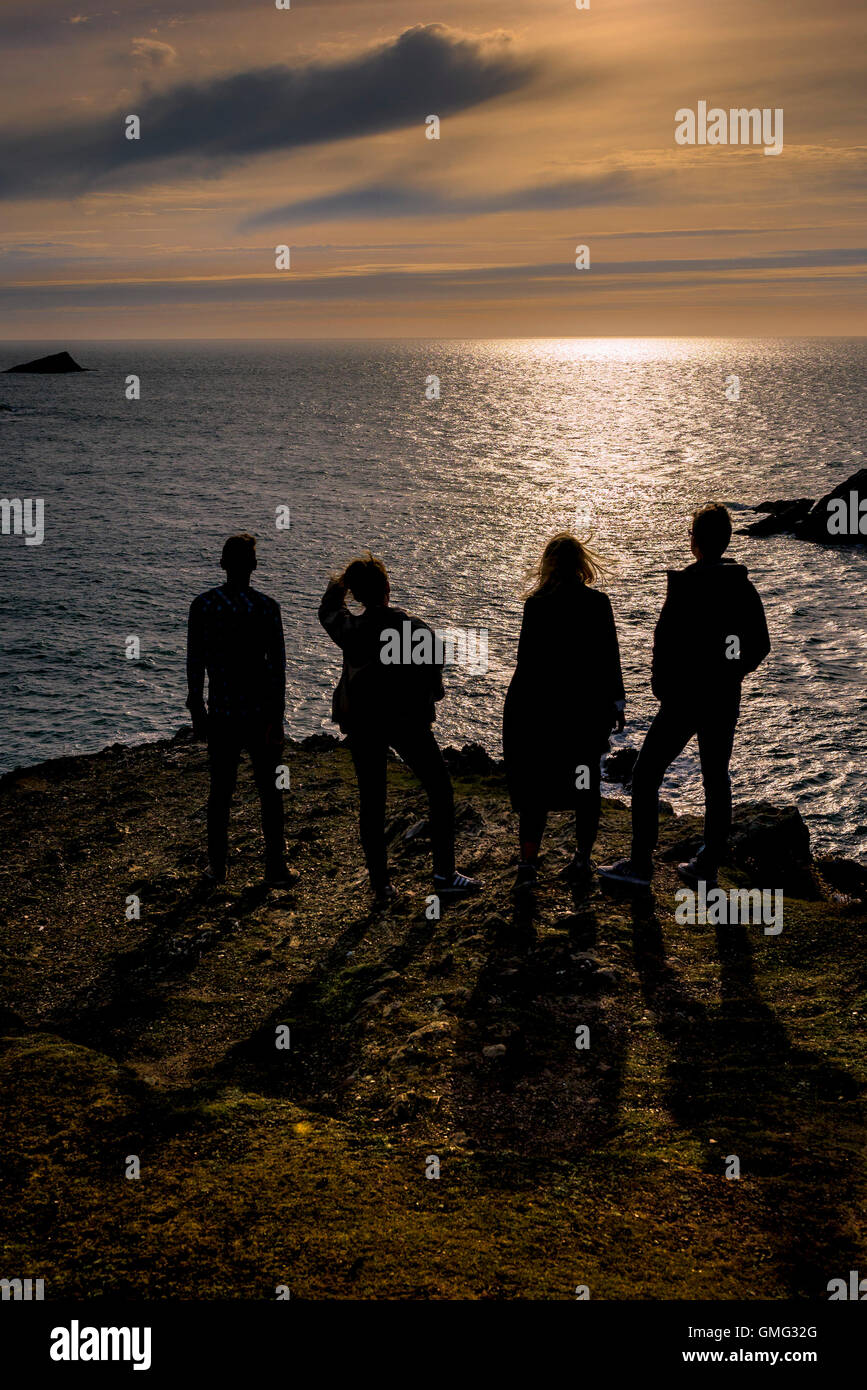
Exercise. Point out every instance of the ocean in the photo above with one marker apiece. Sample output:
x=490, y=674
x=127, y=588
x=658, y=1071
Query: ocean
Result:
x=458, y=495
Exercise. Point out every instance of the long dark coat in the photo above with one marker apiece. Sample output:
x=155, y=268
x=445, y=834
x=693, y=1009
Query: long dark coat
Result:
x=560, y=706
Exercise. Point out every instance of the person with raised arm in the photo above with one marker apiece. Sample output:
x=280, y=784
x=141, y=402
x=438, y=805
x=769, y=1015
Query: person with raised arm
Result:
x=386, y=698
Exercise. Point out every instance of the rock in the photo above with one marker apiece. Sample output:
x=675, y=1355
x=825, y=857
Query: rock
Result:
x=407, y=1105
x=815, y=526
x=606, y=980
x=772, y=845
x=471, y=760
x=845, y=876
x=809, y=520
x=421, y=1046
x=419, y=831
x=585, y=964
x=783, y=518
x=53, y=363
x=781, y=504
x=468, y=817
x=320, y=743
x=380, y=996
x=430, y=1031
x=443, y=966
x=619, y=765
x=394, y=827
x=495, y=1051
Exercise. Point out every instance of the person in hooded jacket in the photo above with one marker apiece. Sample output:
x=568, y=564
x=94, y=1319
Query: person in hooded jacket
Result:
x=711, y=634
x=386, y=698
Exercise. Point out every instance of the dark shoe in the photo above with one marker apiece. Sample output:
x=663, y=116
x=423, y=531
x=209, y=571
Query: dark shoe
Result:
x=526, y=878
x=694, y=872
x=625, y=874
x=456, y=885
x=579, y=869
x=279, y=876
x=212, y=876
x=384, y=895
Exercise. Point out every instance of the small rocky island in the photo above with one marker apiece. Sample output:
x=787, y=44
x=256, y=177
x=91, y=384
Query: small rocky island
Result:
x=54, y=363
x=838, y=518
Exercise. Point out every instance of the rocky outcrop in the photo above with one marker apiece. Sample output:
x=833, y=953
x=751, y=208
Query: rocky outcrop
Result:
x=844, y=879
x=619, y=766
x=772, y=845
x=319, y=743
x=471, y=761
x=55, y=362
x=523, y=1045
x=782, y=516
x=838, y=518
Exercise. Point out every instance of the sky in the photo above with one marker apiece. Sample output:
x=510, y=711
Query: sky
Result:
x=308, y=127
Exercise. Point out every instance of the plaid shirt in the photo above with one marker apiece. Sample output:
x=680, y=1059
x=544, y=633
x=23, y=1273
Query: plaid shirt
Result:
x=236, y=635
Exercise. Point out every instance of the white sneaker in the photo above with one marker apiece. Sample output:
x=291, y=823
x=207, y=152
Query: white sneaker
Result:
x=625, y=872
x=458, y=886
x=693, y=872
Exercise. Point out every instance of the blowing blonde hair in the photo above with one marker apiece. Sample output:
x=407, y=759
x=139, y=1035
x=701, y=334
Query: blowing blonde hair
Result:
x=565, y=557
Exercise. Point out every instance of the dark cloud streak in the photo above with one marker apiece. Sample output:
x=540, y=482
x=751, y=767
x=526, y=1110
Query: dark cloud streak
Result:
x=382, y=200
x=414, y=284
x=208, y=127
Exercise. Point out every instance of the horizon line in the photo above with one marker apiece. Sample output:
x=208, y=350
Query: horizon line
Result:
x=458, y=338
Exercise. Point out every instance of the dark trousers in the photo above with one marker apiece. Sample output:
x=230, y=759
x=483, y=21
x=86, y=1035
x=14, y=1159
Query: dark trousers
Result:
x=588, y=808
x=225, y=746
x=420, y=751
x=714, y=723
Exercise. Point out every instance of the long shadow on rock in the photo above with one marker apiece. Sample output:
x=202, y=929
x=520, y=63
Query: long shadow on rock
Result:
x=321, y=1015
x=736, y=1077
x=111, y=1010
x=531, y=1088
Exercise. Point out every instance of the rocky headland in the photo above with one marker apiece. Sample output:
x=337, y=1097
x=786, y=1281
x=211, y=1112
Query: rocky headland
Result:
x=837, y=518
x=410, y=1040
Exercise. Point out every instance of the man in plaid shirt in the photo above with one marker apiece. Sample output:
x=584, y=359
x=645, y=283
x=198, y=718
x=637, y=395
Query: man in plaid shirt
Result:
x=235, y=634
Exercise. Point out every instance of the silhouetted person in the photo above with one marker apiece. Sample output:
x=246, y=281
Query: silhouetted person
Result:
x=236, y=634
x=710, y=635
x=383, y=703
x=563, y=701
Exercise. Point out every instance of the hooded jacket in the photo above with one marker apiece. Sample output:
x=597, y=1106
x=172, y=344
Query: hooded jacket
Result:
x=711, y=633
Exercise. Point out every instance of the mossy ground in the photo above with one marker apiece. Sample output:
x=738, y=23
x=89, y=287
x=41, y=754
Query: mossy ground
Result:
x=306, y=1167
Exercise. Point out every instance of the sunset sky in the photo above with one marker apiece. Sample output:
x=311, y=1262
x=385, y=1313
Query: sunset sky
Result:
x=307, y=127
